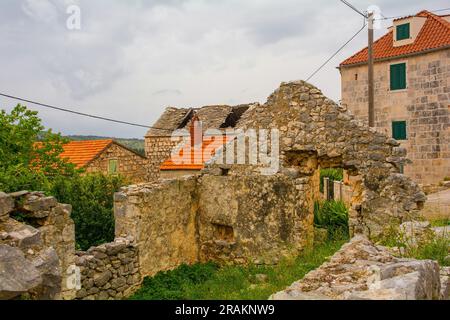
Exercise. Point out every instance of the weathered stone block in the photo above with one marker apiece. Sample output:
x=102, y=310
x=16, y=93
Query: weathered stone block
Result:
x=17, y=274
x=6, y=205
x=101, y=279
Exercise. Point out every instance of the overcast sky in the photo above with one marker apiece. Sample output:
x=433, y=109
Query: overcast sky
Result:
x=133, y=58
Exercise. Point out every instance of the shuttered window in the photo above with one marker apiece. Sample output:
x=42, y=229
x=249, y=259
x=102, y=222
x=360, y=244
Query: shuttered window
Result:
x=113, y=167
x=398, y=76
x=399, y=130
x=403, y=32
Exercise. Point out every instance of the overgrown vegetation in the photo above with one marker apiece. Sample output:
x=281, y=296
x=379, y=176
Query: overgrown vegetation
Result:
x=334, y=174
x=25, y=163
x=333, y=216
x=211, y=282
x=430, y=247
x=91, y=197
x=29, y=160
x=440, y=222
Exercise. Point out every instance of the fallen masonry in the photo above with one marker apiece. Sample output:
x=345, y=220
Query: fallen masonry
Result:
x=364, y=271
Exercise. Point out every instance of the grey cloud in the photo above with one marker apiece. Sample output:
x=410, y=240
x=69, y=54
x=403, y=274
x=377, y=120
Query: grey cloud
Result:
x=143, y=55
x=173, y=92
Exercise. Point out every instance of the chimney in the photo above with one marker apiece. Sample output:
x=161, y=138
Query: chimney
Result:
x=196, y=131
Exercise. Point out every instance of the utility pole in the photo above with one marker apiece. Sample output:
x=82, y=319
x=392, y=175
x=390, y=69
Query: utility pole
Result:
x=371, y=90
x=370, y=73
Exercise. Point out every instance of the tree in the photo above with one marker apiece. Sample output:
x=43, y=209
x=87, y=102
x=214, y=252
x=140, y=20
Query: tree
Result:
x=29, y=156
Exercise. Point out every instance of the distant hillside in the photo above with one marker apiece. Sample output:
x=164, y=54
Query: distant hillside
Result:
x=135, y=144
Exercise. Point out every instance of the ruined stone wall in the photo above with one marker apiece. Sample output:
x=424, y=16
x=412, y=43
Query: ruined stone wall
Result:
x=161, y=217
x=38, y=258
x=214, y=217
x=158, y=149
x=109, y=271
x=40, y=248
x=317, y=133
x=253, y=219
x=131, y=166
x=424, y=105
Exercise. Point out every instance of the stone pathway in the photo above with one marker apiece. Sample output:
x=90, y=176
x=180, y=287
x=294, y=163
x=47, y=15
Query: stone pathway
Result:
x=437, y=205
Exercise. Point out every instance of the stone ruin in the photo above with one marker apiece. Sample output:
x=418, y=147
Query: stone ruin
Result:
x=35, y=253
x=226, y=213
x=38, y=258
x=235, y=214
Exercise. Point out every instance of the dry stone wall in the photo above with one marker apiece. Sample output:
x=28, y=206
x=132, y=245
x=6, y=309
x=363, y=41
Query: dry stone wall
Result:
x=38, y=258
x=35, y=253
x=109, y=271
x=161, y=217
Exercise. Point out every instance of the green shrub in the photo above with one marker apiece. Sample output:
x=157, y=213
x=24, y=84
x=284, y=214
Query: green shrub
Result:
x=432, y=247
x=334, y=174
x=171, y=285
x=24, y=164
x=333, y=216
x=91, y=197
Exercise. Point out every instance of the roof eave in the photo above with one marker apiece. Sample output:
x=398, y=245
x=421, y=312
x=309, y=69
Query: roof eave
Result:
x=418, y=53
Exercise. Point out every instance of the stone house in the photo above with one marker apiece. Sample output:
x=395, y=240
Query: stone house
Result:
x=107, y=157
x=412, y=91
x=159, y=142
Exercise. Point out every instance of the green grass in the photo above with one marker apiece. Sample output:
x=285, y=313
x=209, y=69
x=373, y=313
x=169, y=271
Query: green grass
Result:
x=435, y=247
x=441, y=223
x=211, y=282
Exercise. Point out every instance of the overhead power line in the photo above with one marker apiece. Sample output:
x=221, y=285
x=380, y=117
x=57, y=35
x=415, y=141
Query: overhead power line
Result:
x=353, y=8
x=80, y=113
x=334, y=54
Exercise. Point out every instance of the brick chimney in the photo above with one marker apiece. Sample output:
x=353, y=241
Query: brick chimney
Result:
x=196, y=131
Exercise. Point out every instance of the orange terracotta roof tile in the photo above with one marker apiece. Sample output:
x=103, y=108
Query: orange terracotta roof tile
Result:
x=198, y=155
x=434, y=34
x=81, y=153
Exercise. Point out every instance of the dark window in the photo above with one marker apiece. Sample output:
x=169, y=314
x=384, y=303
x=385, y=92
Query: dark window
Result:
x=399, y=130
x=403, y=32
x=398, y=76
x=356, y=76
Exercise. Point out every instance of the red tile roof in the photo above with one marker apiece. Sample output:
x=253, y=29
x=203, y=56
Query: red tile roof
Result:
x=199, y=155
x=434, y=34
x=81, y=153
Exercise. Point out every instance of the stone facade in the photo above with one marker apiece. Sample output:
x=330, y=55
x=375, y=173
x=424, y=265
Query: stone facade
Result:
x=424, y=105
x=212, y=217
x=109, y=271
x=130, y=165
x=158, y=149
